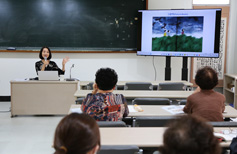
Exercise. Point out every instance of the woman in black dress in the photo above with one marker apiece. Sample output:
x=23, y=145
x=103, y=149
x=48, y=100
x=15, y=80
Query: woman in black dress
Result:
x=45, y=64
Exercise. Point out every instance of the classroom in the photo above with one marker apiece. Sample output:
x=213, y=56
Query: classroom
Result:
x=24, y=129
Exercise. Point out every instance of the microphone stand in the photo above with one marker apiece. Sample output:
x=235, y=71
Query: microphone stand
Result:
x=71, y=79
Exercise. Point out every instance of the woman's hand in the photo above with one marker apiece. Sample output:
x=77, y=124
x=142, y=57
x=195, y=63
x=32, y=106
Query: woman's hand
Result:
x=95, y=88
x=46, y=62
x=65, y=60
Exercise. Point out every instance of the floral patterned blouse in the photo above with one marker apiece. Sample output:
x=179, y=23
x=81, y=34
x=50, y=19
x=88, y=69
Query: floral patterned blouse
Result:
x=105, y=107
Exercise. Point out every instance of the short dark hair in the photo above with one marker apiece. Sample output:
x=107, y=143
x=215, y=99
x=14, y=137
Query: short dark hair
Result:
x=106, y=78
x=76, y=133
x=206, y=78
x=40, y=54
x=189, y=134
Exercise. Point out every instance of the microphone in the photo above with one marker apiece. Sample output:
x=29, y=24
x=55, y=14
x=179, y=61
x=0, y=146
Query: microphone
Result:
x=70, y=70
x=45, y=59
x=70, y=79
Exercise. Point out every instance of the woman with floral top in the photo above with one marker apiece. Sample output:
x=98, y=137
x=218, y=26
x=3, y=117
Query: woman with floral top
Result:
x=102, y=104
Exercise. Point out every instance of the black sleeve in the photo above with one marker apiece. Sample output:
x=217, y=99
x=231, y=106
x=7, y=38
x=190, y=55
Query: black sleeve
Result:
x=55, y=67
x=37, y=67
x=233, y=146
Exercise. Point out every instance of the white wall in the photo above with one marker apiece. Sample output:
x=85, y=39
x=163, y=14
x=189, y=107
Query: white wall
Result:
x=170, y=4
x=128, y=66
x=231, y=61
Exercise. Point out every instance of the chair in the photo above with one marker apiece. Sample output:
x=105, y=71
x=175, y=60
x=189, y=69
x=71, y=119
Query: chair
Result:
x=155, y=121
x=183, y=102
x=119, y=149
x=111, y=124
x=172, y=86
x=89, y=86
x=128, y=121
x=79, y=100
x=119, y=87
x=138, y=86
x=223, y=124
x=151, y=101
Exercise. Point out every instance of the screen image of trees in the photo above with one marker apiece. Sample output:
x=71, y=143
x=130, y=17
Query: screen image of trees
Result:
x=177, y=34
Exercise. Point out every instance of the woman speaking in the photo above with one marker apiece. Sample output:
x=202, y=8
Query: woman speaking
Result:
x=45, y=64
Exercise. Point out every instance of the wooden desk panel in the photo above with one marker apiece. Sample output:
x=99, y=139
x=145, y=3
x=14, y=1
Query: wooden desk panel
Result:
x=140, y=136
x=42, y=97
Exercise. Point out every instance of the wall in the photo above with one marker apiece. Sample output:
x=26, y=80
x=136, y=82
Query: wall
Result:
x=128, y=66
x=232, y=40
x=170, y=4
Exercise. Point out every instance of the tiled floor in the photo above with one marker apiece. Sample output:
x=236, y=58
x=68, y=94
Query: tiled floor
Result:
x=26, y=134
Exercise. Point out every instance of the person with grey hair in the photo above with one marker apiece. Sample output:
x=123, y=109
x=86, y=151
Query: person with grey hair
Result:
x=205, y=102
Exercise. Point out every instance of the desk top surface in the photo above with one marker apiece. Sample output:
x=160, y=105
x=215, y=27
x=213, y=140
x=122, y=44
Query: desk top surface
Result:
x=158, y=110
x=142, y=93
x=140, y=136
x=40, y=82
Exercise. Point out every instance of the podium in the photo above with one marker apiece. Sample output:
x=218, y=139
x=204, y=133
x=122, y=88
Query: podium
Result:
x=42, y=97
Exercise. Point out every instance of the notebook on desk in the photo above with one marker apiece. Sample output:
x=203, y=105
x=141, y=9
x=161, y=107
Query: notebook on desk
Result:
x=48, y=75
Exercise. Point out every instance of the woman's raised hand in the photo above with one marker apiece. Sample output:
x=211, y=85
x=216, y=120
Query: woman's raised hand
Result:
x=65, y=60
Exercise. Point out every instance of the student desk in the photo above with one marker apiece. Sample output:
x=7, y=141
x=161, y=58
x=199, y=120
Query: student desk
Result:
x=83, y=84
x=140, y=136
x=157, y=110
x=42, y=97
x=142, y=93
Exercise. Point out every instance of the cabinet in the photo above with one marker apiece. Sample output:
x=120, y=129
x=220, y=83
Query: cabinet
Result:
x=230, y=89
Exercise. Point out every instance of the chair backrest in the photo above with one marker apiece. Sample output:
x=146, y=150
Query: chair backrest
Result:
x=171, y=86
x=111, y=124
x=138, y=86
x=151, y=101
x=183, y=102
x=128, y=121
x=155, y=121
x=89, y=86
x=79, y=100
x=119, y=149
x=223, y=124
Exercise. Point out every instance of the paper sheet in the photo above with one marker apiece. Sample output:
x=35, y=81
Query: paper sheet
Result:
x=174, y=109
x=227, y=136
x=131, y=108
x=76, y=110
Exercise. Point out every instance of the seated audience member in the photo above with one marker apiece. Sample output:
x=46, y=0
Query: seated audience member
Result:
x=205, y=102
x=77, y=133
x=189, y=134
x=233, y=146
x=102, y=104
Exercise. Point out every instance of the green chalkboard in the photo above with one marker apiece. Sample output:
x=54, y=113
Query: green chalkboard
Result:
x=76, y=24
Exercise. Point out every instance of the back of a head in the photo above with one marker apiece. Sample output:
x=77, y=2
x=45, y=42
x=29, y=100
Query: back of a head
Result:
x=76, y=133
x=206, y=78
x=189, y=135
x=106, y=78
